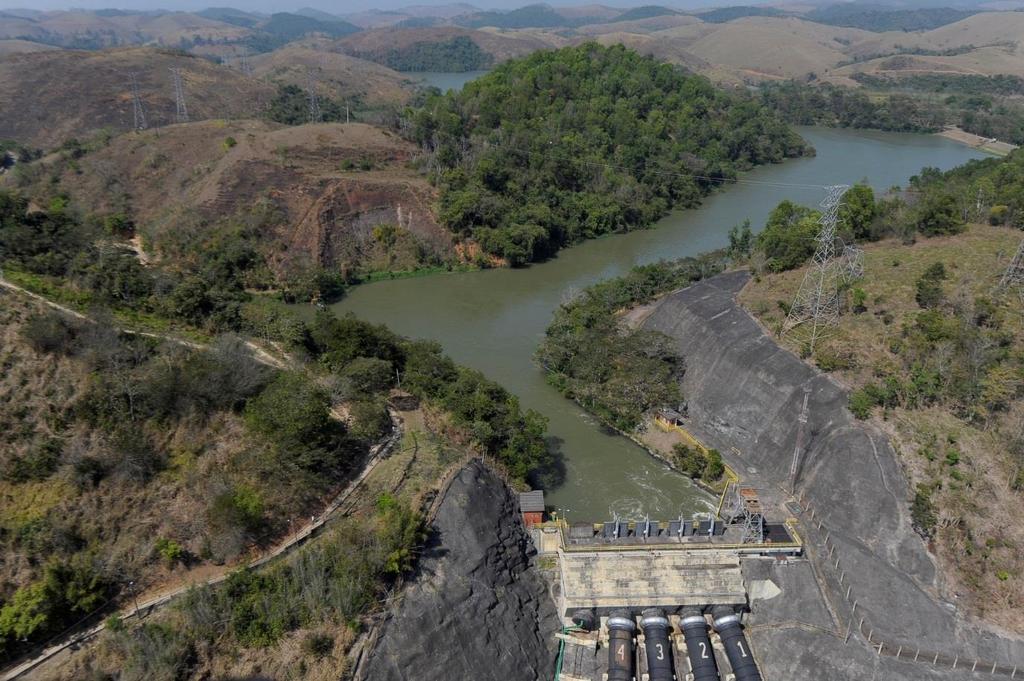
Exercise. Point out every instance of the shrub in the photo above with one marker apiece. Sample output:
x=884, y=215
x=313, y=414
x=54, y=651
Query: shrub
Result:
x=318, y=645
x=922, y=511
x=861, y=403
x=697, y=464
x=858, y=298
x=369, y=419
x=998, y=215
x=170, y=550
x=51, y=332
x=929, y=292
x=229, y=142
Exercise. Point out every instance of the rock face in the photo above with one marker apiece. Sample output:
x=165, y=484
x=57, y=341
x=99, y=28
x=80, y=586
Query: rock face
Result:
x=745, y=395
x=475, y=610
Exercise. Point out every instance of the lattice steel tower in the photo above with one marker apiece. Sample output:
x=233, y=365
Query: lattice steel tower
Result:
x=816, y=306
x=244, y=64
x=181, y=114
x=747, y=516
x=137, y=109
x=315, y=115
x=1013, y=277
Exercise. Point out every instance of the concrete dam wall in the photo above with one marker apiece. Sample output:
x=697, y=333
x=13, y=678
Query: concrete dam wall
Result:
x=476, y=609
x=744, y=395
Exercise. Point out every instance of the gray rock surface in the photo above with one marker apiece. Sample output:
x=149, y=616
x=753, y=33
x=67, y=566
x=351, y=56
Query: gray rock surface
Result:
x=744, y=394
x=475, y=610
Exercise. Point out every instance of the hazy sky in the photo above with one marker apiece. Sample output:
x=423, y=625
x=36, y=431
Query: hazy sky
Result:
x=342, y=7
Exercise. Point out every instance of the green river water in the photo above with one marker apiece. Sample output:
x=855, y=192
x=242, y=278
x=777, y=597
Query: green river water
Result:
x=493, y=320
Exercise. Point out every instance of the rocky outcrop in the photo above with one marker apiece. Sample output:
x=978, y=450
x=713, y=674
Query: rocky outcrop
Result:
x=475, y=609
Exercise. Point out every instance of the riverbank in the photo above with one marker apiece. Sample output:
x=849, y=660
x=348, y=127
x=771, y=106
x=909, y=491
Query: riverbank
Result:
x=493, y=319
x=986, y=144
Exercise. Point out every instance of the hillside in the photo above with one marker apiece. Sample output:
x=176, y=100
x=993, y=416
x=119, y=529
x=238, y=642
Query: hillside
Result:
x=964, y=461
x=63, y=94
x=19, y=46
x=82, y=29
x=141, y=463
x=339, y=76
x=990, y=61
x=326, y=206
x=567, y=145
x=776, y=47
x=376, y=45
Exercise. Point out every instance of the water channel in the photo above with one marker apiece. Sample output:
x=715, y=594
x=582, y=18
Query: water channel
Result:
x=493, y=320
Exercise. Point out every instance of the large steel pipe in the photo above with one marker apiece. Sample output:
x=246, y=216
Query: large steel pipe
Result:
x=698, y=646
x=727, y=624
x=620, y=647
x=656, y=643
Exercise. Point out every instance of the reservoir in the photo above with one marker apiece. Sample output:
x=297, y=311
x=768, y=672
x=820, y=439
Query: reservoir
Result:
x=443, y=81
x=492, y=320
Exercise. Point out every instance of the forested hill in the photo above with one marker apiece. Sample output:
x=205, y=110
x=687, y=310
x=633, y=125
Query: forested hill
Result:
x=571, y=144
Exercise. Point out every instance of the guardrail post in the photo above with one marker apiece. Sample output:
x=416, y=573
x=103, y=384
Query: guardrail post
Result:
x=880, y=644
x=955, y=661
x=848, y=589
x=917, y=654
x=993, y=669
x=974, y=666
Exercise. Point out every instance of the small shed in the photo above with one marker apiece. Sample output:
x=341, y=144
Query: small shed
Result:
x=670, y=417
x=402, y=400
x=531, y=505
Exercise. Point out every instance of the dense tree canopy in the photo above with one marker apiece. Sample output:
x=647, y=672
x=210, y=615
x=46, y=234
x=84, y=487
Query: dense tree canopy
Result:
x=572, y=144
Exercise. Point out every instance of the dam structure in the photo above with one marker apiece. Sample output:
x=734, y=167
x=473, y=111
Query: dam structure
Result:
x=659, y=600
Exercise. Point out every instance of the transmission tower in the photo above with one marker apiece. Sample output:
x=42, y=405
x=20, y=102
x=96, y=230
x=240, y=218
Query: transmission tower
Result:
x=140, y=113
x=1013, y=277
x=816, y=306
x=181, y=115
x=315, y=115
x=244, y=64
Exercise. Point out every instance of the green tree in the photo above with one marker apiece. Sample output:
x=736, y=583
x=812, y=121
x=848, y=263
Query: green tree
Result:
x=858, y=211
x=788, y=236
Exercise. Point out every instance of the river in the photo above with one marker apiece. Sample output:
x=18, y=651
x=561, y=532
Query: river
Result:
x=493, y=320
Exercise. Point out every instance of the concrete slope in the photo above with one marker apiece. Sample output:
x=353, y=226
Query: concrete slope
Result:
x=475, y=610
x=745, y=395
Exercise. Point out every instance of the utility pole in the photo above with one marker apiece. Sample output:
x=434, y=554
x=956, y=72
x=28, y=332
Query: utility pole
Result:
x=181, y=113
x=137, y=110
x=816, y=306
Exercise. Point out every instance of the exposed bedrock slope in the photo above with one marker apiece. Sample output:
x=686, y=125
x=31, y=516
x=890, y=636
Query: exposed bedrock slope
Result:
x=476, y=609
x=745, y=395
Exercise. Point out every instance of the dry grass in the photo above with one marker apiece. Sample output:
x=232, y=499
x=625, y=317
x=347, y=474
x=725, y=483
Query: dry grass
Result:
x=980, y=551
x=171, y=176
x=339, y=76
x=59, y=94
